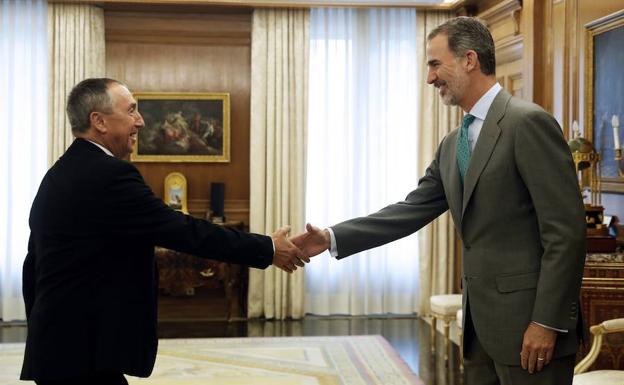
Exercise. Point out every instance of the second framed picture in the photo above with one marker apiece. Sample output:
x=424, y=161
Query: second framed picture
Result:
x=183, y=127
x=604, y=94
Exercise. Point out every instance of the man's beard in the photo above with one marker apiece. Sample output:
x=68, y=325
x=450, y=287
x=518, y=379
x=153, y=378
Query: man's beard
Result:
x=455, y=88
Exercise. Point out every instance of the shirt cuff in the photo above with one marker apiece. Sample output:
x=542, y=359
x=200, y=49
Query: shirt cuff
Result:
x=551, y=328
x=333, y=248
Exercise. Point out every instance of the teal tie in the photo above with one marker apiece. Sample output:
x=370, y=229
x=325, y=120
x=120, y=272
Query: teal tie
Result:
x=463, y=148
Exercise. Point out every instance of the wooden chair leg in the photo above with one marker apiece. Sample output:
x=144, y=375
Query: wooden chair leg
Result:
x=461, y=350
x=433, y=334
x=446, y=340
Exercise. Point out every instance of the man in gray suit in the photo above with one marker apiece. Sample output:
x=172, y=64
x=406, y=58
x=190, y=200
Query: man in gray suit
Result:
x=508, y=179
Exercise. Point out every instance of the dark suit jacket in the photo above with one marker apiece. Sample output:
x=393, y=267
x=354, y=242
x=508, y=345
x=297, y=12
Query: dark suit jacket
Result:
x=90, y=279
x=520, y=216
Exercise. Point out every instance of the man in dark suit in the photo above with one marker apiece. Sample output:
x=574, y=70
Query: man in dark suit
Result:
x=508, y=179
x=89, y=279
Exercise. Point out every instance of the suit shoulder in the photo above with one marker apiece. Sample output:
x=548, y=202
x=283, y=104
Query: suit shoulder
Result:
x=118, y=165
x=91, y=169
x=519, y=110
x=517, y=106
x=522, y=113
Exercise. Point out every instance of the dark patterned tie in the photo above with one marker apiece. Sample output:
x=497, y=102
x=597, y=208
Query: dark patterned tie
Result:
x=463, y=148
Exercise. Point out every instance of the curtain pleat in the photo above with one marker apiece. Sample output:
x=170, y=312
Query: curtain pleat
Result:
x=77, y=52
x=279, y=76
x=23, y=138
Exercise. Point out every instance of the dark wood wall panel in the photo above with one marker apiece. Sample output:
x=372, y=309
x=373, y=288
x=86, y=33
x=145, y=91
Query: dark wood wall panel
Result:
x=190, y=52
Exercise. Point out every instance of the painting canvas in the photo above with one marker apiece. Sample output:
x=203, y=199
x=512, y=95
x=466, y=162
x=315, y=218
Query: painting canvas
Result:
x=189, y=127
x=605, y=92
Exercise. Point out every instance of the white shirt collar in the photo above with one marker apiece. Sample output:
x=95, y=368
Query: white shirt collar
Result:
x=106, y=150
x=482, y=106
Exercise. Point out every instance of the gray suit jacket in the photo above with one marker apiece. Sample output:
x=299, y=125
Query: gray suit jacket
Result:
x=521, y=218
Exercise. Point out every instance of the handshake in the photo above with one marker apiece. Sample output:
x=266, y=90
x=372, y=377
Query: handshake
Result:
x=297, y=250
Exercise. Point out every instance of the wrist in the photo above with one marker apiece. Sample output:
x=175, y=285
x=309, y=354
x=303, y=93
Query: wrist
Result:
x=327, y=238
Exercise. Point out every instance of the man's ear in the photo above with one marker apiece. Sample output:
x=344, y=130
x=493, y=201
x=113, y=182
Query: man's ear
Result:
x=97, y=121
x=472, y=60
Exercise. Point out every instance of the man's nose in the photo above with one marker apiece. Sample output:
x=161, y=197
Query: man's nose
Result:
x=140, y=123
x=431, y=77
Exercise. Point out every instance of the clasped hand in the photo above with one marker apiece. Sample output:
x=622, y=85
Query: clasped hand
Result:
x=293, y=252
x=287, y=256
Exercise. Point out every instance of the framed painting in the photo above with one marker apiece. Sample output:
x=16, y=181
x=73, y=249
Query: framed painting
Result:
x=183, y=127
x=604, y=94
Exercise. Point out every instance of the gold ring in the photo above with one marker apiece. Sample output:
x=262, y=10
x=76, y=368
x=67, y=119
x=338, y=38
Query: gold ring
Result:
x=540, y=359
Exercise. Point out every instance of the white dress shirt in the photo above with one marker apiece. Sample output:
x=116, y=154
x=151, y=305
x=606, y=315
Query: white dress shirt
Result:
x=479, y=111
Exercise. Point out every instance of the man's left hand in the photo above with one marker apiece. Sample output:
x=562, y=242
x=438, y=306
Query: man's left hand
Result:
x=538, y=346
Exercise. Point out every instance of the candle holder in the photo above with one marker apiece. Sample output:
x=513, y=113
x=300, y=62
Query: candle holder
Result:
x=587, y=165
x=615, y=123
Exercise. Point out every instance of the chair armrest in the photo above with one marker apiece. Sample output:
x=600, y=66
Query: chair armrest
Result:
x=606, y=327
x=613, y=325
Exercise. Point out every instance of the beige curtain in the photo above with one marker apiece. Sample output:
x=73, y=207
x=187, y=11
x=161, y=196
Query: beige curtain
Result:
x=437, y=240
x=76, y=52
x=279, y=104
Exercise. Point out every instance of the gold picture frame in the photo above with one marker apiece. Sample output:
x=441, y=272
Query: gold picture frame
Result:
x=603, y=98
x=175, y=194
x=183, y=127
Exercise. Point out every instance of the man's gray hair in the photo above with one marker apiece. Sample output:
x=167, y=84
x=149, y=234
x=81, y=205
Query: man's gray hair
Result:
x=469, y=33
x=90, y=95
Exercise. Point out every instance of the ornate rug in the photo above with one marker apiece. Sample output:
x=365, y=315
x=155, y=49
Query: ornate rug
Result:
x=353, y=360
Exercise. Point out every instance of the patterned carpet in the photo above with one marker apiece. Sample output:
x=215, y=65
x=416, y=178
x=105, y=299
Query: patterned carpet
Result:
x=350, y=360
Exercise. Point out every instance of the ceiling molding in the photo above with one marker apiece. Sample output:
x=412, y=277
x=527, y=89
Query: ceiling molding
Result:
x=500, y=11
x=418, y=4
x=509, y=49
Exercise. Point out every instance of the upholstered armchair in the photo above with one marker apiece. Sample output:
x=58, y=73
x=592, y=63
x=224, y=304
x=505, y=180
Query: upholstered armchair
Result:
x=599, y=377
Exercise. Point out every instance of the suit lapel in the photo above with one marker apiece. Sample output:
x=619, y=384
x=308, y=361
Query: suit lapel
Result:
x=484, y=146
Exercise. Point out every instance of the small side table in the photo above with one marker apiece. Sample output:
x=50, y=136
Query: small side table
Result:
x=180, y=273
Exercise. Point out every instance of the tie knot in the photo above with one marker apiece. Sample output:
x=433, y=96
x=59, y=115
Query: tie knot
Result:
x=468, y=119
